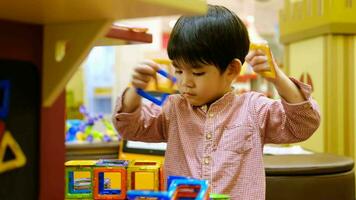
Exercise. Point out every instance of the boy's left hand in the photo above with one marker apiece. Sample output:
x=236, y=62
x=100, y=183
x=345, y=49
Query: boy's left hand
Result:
x=258, y=60
x=285, y=87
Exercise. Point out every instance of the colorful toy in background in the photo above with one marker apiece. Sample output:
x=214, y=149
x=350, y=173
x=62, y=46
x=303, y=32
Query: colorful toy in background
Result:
x=83, y=130
x=165, y=87
x=137, y=179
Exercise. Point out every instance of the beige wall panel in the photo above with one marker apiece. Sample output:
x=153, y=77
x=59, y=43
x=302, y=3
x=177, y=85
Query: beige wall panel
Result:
x=76, y=85
x=307, y=57
x=354, y=95
x=336, y=96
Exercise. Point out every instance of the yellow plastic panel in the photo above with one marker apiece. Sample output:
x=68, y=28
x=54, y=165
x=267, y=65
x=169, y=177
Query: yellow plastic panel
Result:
x=81, y=174
x=160, y=83
x=80, y=163
x=136, y=156
x=115, y=179
x=144, y=180
x=271, y=73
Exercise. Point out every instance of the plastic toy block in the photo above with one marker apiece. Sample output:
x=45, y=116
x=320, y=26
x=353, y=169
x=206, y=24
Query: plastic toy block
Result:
x=113, y=163
x=161, y=180
x=164, y=96
x=184, y=191
x=4, y=98
x=110, y=179
x=81, y=163
x=172, y=193
x=219, y=197
x=164, y=85
x=203, y=185
x=170, y=179
x=265, y=48
x=158, y=101
x=139, y=194
x=144, y=175
x=162, y=61
x=79, y=179
x=165, y=89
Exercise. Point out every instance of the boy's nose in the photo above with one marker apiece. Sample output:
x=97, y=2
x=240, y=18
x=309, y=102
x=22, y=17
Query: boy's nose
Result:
x=187, y=82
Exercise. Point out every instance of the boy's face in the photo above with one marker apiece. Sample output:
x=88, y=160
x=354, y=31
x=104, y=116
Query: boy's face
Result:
x=203, y=84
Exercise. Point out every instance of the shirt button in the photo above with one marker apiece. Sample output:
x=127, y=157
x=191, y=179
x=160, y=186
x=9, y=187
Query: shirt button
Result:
x=204, y=108
x=211, y=115
x=206, y=160
x=215, y=147
x=208, y=136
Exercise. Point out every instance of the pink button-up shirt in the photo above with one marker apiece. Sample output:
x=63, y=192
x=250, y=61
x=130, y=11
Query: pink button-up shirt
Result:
x=222, y=144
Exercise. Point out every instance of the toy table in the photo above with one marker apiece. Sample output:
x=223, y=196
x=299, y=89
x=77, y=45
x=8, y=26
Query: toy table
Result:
x=309, y=177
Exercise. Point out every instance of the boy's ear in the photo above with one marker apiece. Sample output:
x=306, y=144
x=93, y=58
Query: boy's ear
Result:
x=234, y=67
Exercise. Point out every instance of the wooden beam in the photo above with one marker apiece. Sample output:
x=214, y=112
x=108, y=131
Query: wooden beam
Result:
x=65, y=47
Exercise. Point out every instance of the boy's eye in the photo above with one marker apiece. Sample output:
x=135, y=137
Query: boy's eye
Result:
x=198, y=73
x=178, y=71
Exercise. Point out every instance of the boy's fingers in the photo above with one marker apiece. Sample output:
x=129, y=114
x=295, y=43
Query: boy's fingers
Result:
x=141, y=77
x=258, y=60
x=260, y=52
x=261, y=67
x=152, y=64
x=251, y=54
x=139, y=84
x=145, y=69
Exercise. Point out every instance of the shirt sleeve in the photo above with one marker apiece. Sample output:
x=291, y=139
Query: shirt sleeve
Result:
x=282, y=122
x=148, y=123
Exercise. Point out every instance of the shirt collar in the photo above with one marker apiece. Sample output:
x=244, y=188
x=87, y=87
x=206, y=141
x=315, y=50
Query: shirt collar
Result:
x=220, y=103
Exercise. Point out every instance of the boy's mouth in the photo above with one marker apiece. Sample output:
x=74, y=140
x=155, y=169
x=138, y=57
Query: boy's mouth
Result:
x=188, y=94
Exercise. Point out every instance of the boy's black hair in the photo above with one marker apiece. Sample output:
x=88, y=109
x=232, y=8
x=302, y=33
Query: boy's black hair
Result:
x=215, y=38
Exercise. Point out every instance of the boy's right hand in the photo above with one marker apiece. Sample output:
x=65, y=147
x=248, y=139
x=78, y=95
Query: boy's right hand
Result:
x=141, y=77
x=143, y=73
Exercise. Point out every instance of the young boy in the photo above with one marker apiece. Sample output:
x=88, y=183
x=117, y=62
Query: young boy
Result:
x=211, y=133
